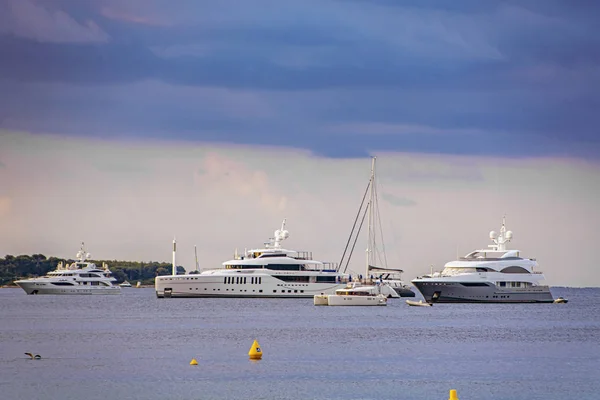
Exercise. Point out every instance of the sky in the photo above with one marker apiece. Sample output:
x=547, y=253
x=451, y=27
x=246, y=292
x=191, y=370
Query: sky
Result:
x=127, y=122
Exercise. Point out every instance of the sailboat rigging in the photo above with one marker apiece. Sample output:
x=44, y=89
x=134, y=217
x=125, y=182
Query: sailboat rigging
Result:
x=374, y=255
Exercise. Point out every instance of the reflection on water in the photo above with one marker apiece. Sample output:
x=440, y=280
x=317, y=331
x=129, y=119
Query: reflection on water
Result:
x=137, y=346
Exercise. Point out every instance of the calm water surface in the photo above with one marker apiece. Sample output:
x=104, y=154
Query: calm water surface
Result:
x=136, y=346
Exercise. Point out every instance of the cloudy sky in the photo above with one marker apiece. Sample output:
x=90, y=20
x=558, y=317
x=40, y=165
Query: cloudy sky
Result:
x=126, y=122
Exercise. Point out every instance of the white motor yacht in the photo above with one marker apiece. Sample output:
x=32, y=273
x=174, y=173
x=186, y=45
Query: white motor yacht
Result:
x=271, y=271
x=353, y=295
x=494, y=275
x=80, y=277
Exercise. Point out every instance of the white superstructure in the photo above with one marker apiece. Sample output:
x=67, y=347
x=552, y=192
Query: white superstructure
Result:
x=493, y=275
x=271, y=271
x=79, y=277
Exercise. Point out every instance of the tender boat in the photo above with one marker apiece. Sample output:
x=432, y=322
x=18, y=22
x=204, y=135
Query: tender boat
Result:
x=354, y=295
x=80, y=277
x=494, y=275
x=560, y=300
x=419, y=303
x=125, y=284
x=271, y=271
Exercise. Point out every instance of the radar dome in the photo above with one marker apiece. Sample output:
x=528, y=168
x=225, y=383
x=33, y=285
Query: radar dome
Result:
x=493, y=235
x=509, y=234
x=277, y=233
x=285, y=234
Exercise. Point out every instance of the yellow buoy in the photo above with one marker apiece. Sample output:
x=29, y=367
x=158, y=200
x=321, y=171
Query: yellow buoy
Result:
x=255, y=352
x=453, y=395
x=193, y=362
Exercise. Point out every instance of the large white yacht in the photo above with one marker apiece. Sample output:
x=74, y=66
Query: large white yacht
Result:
x=271, y=271
x=80, y=277
x=494, y=275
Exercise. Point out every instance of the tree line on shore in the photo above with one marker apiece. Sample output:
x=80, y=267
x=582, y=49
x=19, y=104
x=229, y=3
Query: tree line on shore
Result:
x=24, y=266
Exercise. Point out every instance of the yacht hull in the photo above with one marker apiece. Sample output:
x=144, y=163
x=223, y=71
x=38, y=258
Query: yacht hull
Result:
x=404, y=292
x=213, y=286
x=47, y=288
x=465, y=292
x=337, y=300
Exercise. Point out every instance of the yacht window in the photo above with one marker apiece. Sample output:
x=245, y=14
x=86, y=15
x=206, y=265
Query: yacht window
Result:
x=244, y=280
x=514, y=270
x=286, y=267
x=237, y=280
x=326, y=279
x=292, y=278
x=225, y=280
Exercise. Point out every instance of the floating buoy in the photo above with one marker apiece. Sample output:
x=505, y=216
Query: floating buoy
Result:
x=34, y=357
x=255, y=352
x=453, y=395
x=193, y=362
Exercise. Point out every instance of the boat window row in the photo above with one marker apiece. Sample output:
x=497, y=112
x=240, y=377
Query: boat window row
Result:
x=351, y=293
x=291, y=284
x=242, y=280
x=178, y=279
x=276, y=267
x=308, y=278
x=289, y=291
x=514, y=270
x=514, y=284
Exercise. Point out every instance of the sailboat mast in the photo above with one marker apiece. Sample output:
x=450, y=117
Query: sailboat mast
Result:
x=196, y=255
x=370, y=220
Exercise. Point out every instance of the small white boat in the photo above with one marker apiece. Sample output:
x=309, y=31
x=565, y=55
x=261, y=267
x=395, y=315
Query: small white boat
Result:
x=560, y=300
x=419, y=303
x=353, y=296
x=125, y=284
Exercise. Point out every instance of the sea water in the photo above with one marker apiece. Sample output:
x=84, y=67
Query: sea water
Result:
x=135, y=346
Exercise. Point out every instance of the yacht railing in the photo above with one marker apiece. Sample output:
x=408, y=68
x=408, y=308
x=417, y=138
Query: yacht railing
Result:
x=303, y=255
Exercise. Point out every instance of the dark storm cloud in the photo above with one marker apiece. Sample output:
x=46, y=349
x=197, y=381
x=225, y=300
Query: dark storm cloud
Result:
x=523, y=74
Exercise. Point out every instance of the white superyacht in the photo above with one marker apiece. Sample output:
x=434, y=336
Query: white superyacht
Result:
x=80, y=277
x=271, y=271
x=494, y=275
